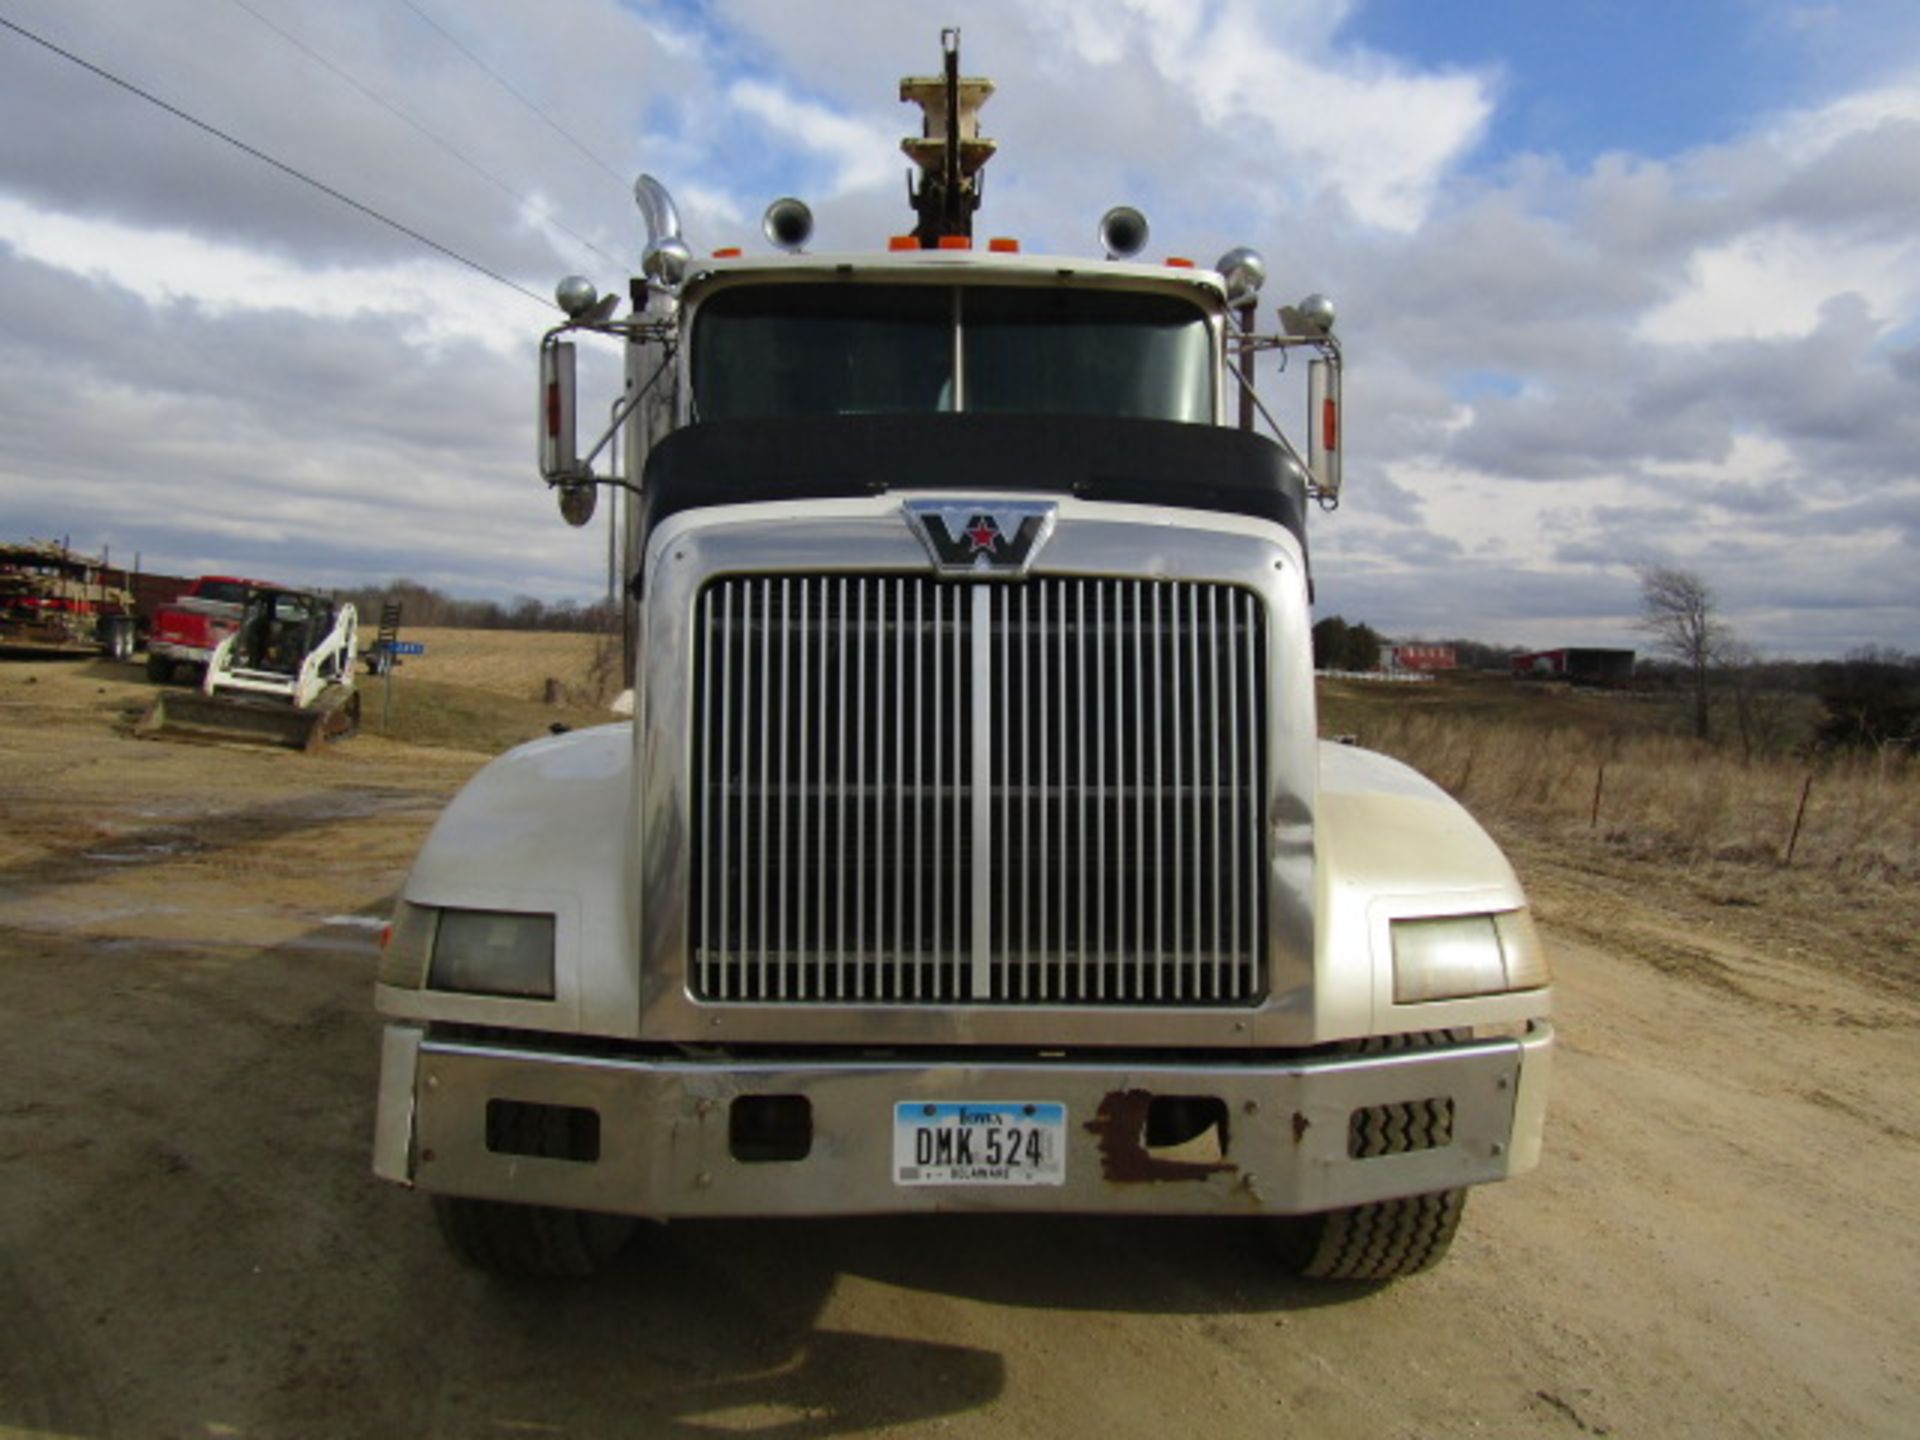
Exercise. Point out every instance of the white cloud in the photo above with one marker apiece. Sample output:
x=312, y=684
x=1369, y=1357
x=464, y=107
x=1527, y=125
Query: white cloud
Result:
x=1773, y=282
x=863, y=154
x=1805, y=135
x=438, y=304
x=1340, y=121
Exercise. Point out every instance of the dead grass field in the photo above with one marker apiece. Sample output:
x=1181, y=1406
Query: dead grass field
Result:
x=515, y=663
x=487, y=690
x=1598, y=784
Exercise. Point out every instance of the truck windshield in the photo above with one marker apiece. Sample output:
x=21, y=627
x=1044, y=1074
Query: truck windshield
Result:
x=762, y=351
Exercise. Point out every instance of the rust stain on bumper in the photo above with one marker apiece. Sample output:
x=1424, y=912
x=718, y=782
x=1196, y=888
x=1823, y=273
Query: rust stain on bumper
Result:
x=1120, y=1125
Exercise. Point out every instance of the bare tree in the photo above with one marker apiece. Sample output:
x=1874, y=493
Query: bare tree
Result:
x=1679, y=610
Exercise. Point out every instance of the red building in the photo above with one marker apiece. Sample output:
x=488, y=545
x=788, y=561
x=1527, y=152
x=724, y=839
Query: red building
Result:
x=1418, y=655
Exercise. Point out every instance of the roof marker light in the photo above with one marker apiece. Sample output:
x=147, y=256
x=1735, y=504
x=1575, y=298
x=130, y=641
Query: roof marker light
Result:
x=1179, y=262
x=727, y=252
x=956, y=242
x=1003, y=245
x=903, y=242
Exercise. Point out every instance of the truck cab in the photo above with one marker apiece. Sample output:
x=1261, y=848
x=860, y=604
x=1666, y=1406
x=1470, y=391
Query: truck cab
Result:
x=971, y=846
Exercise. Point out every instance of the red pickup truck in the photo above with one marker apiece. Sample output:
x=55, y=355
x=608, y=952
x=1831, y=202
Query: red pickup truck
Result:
x=186, y=633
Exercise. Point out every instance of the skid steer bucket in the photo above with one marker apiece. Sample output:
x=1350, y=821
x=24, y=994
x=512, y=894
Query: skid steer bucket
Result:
x=189, y=715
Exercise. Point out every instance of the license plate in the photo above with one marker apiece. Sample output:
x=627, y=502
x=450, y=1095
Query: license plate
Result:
x=979, y=1142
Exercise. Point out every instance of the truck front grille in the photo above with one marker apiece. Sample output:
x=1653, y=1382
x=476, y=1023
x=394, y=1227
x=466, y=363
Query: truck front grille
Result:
x=909, y=791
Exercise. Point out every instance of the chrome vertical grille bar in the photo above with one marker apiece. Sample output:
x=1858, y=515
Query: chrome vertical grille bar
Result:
x=896, y=840
x=981, y=860
x=1078, y=946
x=1048, y=729
x=1137, y=786
x=1213, y=870
x=802, y=702
x=841, y=786
x=1025, y=932
x=938, y=978
x=1233, y=860
x=1160, y=832
x=781, y=784
x=1195, y=749
x=1256, y=743
x=703, y=962
x=1103, y=661
x=1177, y=797
x=1002, y=603
x=723, y=781
x=919, y=807
x=957, y=796
x=862, y=789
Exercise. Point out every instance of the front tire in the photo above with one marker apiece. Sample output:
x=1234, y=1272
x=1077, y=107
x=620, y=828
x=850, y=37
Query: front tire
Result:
x=159, y=668
x=1383, y=1240
x=530, y=1241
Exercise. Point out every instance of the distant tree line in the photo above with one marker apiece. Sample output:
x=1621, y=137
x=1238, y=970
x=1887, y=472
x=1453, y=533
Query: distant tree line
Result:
x=1339, y=645
x=1872, y=700
x=424, y=605
x=1869, y=700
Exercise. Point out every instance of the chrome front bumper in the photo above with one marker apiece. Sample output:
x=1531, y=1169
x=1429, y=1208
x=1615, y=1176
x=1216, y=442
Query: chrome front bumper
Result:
x=664, y=1146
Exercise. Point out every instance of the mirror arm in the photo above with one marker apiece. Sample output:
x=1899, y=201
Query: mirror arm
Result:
x=1246, y=388
x=623, y=407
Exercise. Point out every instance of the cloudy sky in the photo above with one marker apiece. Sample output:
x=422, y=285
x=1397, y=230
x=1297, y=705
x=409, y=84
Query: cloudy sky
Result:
x=1620, y=282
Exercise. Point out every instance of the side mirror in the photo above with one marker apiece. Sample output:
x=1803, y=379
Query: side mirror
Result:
x=559, y=443
x=1323, y=425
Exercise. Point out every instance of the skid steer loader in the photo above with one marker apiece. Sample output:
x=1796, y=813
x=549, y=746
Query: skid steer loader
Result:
x=284, y=677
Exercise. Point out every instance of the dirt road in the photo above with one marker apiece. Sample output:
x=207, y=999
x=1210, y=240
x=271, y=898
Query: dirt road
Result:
x=1724, y=1237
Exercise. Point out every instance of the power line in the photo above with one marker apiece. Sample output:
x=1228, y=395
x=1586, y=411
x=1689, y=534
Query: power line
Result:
x=508, y=86
x=399, y=114
x=279, y=165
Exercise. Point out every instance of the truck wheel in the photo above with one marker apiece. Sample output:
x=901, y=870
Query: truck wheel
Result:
x=159, y=669
x=529, y=1240
x=1384, y=1240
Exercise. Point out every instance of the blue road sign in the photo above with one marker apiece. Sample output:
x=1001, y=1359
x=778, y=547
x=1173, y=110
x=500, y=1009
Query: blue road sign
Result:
x=409, y=647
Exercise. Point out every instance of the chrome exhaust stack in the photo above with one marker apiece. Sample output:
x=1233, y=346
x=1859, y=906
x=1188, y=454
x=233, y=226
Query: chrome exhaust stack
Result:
x=666, y=258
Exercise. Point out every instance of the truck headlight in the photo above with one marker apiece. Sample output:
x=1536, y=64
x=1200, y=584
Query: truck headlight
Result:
x=405, y=947
x=493, y=952
x=1449, y=957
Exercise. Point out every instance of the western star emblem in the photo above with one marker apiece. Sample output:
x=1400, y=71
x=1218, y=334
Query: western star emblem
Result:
x=985, y=539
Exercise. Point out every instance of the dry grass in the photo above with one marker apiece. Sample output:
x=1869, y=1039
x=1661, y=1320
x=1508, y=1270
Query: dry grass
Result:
x=1663, y=795
x=521, y=664
x=488, y=690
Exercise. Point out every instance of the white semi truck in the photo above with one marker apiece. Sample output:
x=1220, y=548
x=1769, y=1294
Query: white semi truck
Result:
x=971, y=846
